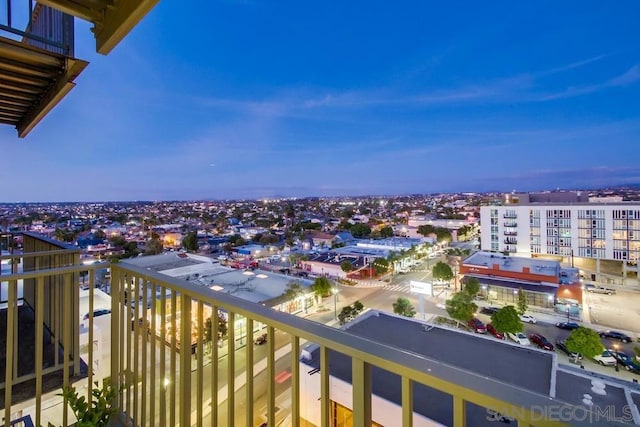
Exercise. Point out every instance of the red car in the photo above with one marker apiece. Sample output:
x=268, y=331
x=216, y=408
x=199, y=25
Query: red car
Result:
x=477, y=326
x=541, y=342
x=493, y=331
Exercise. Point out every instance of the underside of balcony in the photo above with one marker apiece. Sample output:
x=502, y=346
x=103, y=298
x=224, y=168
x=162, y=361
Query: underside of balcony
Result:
x=32, y=82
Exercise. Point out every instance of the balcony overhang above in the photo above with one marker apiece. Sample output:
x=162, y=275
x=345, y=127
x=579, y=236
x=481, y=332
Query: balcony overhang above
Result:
x=112, y=19
x=32, y=82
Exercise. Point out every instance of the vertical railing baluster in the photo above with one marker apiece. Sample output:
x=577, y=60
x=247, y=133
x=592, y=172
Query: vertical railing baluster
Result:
x=295, y=381
x=149, y=322
x=407, y=402
x=172, y=365
x=215, y=332
x=163, y=356
x=39, y=346
x=143, y=304
x=200, y=364
x=231, y=368
x=459, y=412
x=134, y=309
x=185, y=361
x=249, y=371
x=361, y=383
x=66, y=336
x=90, y=352
x=325, y=389
x=271, y=373
x=8, y=372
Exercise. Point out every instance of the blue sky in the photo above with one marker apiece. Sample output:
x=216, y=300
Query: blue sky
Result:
x=249, y=99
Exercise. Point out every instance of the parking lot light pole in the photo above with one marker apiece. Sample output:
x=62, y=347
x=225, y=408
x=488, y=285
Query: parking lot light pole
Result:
x=568, y=312
x=334, y=291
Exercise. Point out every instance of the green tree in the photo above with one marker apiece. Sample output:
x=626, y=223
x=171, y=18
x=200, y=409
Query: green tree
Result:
x=586, y=341
x=322, y=287
x=222, y=327
x=381, y=266
x=472, y=286
x=358, y=307
x=443, y=234
x=131, y=249
x=426, y=229
x=507, y=319
x=442, y=271
x=522, y=301
x=345, y=314
x=461, y=307
x=99, y=234
x=268, y=239
x=293, y=291
x=360, y=230
x=154, y=246
x=386, y=232
x=346, y=266
x=117, y=241
x=190, y=241
x=403, y=307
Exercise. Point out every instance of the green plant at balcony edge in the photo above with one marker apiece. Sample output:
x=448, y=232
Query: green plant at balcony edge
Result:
x=99, y=411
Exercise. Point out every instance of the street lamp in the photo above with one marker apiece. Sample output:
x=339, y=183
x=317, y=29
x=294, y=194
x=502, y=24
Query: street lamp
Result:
x=334, y=291
x=568, y=312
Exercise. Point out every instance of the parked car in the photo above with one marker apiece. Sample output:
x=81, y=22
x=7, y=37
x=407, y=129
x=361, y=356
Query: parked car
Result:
x=541, y=341
x=606, y=358
x=528, y=318
x=615, y=335
x=493, y=331
x=488, y=310
x=99, y=312
x=568, y=325
x=599, y=289
x=518, y=337
x=262, y=339
x=628, y=362
x=477, y=326
x=563, y=347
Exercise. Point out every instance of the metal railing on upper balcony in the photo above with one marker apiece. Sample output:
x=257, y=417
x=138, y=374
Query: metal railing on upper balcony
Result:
x=39, y=25
x=157, y=361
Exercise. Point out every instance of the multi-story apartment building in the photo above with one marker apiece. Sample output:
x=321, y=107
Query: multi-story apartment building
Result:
x=602, y=239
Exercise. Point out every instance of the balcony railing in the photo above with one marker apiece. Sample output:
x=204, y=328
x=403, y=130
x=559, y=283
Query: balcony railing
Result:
x=510, y=233
x=510, y=215
x=39, y=25
x=158, y=357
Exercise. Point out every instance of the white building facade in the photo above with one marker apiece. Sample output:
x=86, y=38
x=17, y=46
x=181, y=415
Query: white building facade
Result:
x=595, y=231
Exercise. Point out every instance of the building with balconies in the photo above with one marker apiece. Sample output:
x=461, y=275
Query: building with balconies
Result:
x=601, y=239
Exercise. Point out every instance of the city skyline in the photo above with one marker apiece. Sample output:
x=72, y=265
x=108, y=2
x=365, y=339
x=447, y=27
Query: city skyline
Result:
x=250, y=100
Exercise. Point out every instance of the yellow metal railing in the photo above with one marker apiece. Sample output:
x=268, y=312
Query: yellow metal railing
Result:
x=168, y=374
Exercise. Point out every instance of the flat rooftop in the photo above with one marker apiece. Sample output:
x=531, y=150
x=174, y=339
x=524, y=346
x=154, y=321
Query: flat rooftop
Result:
x=256, y=286
x=512, y=263
x=523, y=367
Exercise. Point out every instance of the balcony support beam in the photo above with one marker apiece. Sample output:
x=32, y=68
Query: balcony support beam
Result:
x=118, y=21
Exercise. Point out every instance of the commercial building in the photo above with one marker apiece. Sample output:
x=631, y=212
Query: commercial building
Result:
x=545, y=282
x=601, y=239
x=484, y=361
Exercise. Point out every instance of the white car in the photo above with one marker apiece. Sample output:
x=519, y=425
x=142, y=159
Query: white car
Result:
x=606, y=359
x=528, y=318
x=519, y=337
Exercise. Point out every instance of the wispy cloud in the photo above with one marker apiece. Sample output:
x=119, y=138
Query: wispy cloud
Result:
x=632, y=75
x=518, y=88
